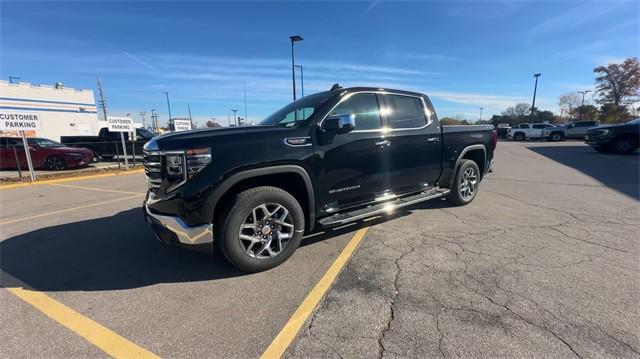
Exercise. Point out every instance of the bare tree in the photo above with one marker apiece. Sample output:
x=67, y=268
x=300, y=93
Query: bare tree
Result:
x=618, y=85
x=568, y=103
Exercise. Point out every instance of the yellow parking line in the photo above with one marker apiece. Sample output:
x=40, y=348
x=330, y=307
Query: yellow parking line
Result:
x=291, y=328
x=95, y=333
x=94, y=188
x=69, y=209
x=68, y=179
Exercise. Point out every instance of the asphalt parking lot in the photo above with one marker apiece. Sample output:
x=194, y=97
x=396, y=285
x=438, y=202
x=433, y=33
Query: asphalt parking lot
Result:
x=544, y=263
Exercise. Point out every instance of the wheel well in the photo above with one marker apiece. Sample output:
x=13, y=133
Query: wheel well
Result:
x=518, y=133
x=476, y=156
x=289, y=181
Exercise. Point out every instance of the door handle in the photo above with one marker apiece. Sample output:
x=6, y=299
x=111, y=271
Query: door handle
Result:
x=433, y=139
x=383, y=143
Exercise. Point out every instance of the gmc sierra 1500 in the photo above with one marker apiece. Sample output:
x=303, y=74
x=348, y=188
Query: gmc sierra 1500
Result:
x=326, y=159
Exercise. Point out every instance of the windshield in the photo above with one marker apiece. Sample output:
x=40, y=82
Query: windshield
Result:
x=297, y=111
x=143, y=132
x=43, y=142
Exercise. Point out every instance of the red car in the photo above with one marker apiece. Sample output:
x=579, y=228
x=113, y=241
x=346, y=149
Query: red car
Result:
x=45, y=154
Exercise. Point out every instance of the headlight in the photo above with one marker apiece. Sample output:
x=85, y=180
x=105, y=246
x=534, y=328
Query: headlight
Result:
x=197, y=159
x=181, y=166
x=602, y=132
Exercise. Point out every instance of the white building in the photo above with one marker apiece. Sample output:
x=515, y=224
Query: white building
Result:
x=63, y=111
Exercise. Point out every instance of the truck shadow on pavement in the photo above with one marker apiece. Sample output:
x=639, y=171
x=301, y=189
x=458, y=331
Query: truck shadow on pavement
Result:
x=619, y=172
x=120, y=252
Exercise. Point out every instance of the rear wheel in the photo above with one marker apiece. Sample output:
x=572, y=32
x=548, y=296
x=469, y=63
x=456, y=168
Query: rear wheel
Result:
x=55, y=163
x=465, y=185
x=262, y=229
x=624, y=145
x=518, y=136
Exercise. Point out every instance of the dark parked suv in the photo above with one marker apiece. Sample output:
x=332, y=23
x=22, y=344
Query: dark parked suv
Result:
x=623, y=138
x=325, y=160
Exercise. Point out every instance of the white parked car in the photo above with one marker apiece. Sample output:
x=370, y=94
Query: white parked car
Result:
x=527, y=131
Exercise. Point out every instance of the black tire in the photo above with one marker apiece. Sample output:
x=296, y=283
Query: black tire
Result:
x=242, y=209
x=556, y=136
x=55, y=163
x=457, y=196
x=518, y=136
x=624, y=145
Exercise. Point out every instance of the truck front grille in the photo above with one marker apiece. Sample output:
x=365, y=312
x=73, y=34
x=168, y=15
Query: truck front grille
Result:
x=153, y=170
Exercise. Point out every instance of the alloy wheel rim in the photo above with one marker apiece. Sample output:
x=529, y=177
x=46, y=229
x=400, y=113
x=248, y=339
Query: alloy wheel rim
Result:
x=623, y=145
x=55, y=163
x=468, y=183
x=266, y=230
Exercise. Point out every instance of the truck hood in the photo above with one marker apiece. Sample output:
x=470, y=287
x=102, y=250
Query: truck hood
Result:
x=209, y=136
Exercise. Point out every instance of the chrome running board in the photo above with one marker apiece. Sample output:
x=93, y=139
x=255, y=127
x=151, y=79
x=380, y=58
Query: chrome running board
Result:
x=382, y=208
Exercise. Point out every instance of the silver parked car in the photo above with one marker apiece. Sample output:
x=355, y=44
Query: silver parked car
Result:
x=574, y=129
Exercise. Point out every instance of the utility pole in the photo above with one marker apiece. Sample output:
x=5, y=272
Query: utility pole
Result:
x=102, y=102
x=584, y=92
x=480, y=114
x=190, y=119
x=535, y=89
x=235, y=119
x=169, y=107
x=154, y=120
x=244, y=83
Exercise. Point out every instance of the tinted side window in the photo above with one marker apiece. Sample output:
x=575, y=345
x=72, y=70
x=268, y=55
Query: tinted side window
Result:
x=405, y=111
x=539, y=126
x=524, y=125
x=14, y=142
x=365, y=108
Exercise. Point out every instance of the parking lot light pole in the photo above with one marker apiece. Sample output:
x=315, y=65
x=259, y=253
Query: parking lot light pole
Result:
x=169, y=107
x=301, y=79
x=294, y=38
x=584, y=92
x=481, y=108
x=535, y=89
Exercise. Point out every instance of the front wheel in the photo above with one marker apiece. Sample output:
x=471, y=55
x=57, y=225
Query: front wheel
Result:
x=262, y=229
x=555, y=137
x=465, y=185
x=55, y=163
x=518, y=136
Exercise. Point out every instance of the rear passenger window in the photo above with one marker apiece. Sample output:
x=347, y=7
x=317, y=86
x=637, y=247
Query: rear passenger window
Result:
x=405, y=111
x=539, y=126
x=364, y=107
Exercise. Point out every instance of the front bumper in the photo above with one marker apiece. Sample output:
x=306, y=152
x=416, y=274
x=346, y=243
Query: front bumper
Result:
x=596, y=141
x=170, y=229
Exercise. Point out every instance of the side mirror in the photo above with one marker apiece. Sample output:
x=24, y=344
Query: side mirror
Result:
x=339, y=124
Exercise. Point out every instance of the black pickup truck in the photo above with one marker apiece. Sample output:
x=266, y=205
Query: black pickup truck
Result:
x=108, y=144
x=324, y=160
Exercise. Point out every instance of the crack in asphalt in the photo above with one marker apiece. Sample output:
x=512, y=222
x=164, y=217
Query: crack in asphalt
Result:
x=391, y=301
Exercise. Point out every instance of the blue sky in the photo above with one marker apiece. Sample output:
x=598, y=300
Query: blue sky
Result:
x=464, y=55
